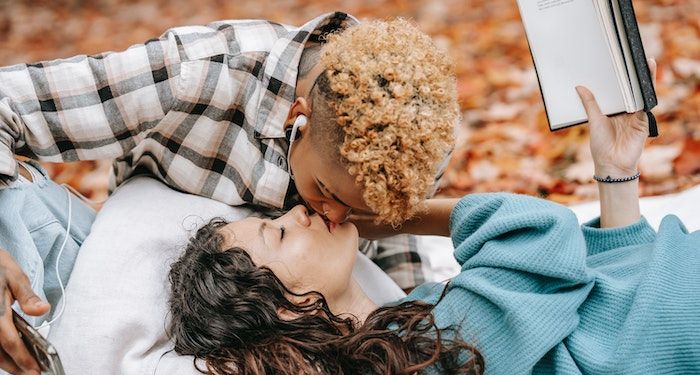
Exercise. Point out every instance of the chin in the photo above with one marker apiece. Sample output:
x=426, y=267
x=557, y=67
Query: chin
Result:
x=356, y=234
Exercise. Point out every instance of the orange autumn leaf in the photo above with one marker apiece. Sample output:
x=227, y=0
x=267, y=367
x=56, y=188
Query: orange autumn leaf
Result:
x=688, y=162
x=506, y=143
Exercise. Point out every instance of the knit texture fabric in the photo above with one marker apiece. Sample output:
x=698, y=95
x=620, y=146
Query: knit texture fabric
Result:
x=539, y=293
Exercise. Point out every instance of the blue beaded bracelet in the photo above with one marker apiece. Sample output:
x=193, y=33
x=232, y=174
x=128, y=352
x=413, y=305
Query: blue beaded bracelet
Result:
x=609, y=179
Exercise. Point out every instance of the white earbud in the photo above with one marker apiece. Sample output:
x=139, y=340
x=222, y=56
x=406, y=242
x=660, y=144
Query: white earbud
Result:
x=300, y=121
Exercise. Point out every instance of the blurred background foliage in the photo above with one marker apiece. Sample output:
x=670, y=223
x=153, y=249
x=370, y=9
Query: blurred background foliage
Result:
x=503, y=143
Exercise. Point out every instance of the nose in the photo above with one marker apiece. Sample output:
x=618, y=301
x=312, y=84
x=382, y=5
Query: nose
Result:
x=336, y=213
x=298, y=214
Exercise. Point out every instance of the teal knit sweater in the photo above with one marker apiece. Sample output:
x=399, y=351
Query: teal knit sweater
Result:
x=539, y=293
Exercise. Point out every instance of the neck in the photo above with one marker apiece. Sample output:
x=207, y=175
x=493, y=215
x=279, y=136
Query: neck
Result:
x=355, y=302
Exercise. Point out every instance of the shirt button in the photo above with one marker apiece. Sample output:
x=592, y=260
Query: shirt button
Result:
x=281, y=162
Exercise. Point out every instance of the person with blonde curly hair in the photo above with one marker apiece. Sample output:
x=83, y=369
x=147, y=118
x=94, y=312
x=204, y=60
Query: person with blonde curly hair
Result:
x=336, y=115
x=387, y=98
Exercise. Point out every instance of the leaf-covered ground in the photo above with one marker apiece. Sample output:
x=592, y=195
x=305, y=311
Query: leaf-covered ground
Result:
x=504, y=141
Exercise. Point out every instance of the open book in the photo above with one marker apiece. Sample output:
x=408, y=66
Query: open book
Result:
x=592, y=43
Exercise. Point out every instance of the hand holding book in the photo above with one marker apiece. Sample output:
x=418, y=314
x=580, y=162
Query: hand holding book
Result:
x=616, y=141
x=616, y=145
x=591, y=43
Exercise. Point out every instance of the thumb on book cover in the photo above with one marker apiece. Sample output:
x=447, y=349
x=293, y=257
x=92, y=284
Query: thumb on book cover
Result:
x=589, y=102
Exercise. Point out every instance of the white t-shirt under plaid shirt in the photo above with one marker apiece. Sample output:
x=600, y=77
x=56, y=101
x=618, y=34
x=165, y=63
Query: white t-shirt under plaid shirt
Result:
x=202, y=108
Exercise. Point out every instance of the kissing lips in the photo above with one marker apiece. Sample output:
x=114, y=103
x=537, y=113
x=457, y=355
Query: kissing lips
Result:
x=329, y=224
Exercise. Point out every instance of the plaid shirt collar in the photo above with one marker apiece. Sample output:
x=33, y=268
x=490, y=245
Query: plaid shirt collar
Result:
x=280, y=70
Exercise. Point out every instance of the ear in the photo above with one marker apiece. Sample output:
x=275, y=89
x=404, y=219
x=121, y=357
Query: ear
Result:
x=300, y=106
x=288, y=315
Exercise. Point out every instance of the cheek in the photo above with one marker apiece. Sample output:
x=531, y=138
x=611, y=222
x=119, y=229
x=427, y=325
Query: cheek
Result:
x=320, y=273
x=287, y=275
x=297, y=269
x=306, y=188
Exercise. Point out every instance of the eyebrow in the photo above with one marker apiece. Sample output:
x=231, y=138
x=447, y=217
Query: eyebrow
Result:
x=331, y=193
x=261, y=228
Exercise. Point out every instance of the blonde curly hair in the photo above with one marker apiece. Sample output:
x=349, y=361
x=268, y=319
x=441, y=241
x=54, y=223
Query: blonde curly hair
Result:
x=394, y=96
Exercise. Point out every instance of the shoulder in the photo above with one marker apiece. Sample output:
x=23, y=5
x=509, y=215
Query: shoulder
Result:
x=429, y=292
x=484, y=205
x=226, y=37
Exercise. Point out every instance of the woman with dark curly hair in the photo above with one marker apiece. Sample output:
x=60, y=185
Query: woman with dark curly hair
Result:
x=247, y=319
x=537, y=292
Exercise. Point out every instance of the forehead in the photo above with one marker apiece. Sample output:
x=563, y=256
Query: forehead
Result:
x=244, y=233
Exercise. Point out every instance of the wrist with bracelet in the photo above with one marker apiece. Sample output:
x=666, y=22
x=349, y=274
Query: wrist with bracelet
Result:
x=610, y=180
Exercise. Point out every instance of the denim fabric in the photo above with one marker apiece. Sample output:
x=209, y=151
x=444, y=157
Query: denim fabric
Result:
x=33, y=220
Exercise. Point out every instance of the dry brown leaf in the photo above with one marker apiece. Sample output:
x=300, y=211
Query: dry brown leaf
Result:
x=688, y=162
x=506, y=144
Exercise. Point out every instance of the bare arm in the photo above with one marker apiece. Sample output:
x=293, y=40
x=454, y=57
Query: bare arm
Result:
x=435, y=220
x=619, y=204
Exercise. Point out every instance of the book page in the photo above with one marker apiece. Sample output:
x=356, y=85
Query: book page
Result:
x=569, y=48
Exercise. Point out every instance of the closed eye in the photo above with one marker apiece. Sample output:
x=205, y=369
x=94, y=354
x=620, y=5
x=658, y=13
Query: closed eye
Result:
x=327, y=194
x=322, y=190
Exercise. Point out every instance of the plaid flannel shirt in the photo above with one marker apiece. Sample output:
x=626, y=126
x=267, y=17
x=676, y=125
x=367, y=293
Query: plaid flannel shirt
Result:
x=201, y=108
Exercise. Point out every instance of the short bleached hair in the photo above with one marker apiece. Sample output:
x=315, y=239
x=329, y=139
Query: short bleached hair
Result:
x=393, y=94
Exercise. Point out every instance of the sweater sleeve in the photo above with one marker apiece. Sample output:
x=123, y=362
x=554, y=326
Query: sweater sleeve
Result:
x=523, y=277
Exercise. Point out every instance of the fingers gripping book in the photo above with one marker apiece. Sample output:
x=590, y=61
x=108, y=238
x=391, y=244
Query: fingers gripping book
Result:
x=592, y=43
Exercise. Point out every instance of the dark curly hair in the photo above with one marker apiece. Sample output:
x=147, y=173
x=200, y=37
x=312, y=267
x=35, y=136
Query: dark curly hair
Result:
x=225, y=311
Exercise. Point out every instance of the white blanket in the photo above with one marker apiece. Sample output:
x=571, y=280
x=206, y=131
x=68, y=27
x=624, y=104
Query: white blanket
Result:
x=116, y=299
x=116, y=311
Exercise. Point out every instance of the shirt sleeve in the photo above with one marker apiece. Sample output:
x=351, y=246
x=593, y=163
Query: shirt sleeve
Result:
x=399, y=256
x=523, y=277
x=85, y=107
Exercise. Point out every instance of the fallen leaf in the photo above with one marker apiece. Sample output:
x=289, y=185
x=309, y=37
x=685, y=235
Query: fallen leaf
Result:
x=656, y=162
x=505, y=143
x=688, y=162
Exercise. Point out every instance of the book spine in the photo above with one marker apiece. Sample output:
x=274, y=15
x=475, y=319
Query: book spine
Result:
x=646, y=82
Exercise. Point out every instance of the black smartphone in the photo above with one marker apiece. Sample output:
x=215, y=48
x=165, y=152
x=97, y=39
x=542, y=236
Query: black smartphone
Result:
x=40, y=348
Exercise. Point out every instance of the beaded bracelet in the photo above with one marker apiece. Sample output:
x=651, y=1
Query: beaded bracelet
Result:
x=609, y=179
